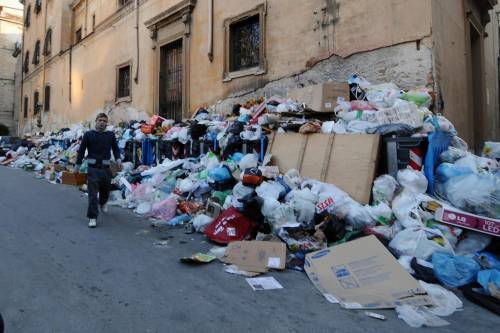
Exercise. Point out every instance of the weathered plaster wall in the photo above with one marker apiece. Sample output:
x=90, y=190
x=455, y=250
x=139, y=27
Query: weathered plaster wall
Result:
x=491, y=55
x=402, y=64
x=10, y=33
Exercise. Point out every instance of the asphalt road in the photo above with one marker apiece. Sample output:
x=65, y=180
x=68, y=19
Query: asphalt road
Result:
x=56, y=275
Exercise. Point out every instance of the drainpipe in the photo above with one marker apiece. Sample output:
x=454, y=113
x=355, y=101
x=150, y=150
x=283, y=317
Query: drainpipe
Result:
x=498, y=67
x=136, y=78
x=44, y=61
x=70, y=83
x=22, y=81
x=211, y=30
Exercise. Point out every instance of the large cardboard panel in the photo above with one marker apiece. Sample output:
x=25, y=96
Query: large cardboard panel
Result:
x=353, y=164
x=362, y=274
x=346, y=160
x=316, y=154
x=287, y=150
x=256, y=256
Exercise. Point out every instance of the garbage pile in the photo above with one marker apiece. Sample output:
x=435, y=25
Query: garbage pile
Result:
x=213, y=174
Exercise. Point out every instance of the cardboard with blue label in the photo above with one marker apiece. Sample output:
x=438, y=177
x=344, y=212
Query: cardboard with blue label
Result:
x=362, y=274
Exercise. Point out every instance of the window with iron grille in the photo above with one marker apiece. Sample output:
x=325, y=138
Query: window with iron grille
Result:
x=26, y=101
x=36, y=53
x=27, y=62
x=36, y=97
x=244, y=43
x=27, y=19
x=123, y=82
x=78, y=35
x=47, y=46
x=46, y=104
x=38, y=6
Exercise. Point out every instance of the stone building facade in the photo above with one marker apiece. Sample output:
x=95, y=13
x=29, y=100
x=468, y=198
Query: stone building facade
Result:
x=169, y=57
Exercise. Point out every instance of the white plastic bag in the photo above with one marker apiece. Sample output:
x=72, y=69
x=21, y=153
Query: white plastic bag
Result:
x=186, y=185
x=414, y=242
x=269, y=190
x=384, y=188
x=240, y=190
x=200, y=222
x=412, y=180
x=405, y=208
x=143, y=208
x=248, y=161
x=445, y=302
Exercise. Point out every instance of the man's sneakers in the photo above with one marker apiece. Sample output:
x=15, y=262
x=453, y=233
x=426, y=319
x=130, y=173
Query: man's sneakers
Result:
x=92, y=223
x=104, y=208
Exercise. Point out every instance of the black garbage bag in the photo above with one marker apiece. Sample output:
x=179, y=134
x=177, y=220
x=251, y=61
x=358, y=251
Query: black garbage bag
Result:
x=423, y=273
x=198, y=131
x=252, y=205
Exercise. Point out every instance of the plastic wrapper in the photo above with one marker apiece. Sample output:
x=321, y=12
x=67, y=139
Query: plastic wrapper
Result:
x=420, y=243
x=417, y=317
x=383, y=95
x=472, y=242
x=384, y=188
x=454, y=271
x=420, y=97
x=475, y=193
x=329, y=127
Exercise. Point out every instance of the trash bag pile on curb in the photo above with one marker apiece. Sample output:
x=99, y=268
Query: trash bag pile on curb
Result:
x=231, y=194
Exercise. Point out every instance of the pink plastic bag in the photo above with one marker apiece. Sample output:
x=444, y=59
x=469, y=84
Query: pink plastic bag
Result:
x=361, y=105
x=165, y=210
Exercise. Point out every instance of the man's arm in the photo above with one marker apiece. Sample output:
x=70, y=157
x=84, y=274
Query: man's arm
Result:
x=116, y=150
x=82, y=149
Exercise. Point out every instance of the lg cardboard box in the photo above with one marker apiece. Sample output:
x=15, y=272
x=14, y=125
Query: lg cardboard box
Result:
x=320, y=97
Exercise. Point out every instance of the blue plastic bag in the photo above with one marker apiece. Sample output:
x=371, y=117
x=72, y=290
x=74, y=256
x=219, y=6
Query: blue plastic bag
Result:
x=454, y=271
x=219, y=174
x=487, y=277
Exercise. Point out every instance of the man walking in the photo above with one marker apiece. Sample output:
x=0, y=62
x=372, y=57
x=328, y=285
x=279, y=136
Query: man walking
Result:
x=99, y=144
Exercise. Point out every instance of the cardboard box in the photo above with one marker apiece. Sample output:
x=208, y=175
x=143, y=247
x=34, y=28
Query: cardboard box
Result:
x=256, y=256
x=70, y=178
x=348, y=161
x=320, y=97
x=454, y=216
x=362, y=274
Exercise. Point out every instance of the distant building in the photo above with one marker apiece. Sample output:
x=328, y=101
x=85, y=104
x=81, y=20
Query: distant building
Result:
x=11, y=29
x=169, y=57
